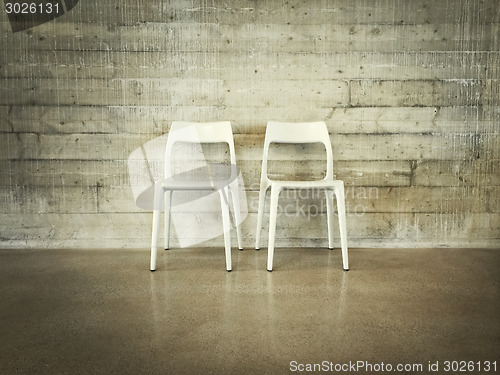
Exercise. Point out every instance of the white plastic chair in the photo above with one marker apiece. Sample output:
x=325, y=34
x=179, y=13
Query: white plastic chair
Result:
x=308, y=132
x=196, y=133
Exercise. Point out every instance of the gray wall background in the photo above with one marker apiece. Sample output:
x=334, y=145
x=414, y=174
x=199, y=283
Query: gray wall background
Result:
x=409, y=90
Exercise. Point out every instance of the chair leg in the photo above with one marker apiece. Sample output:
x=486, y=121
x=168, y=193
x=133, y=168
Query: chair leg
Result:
x=339, y=192
x=273, y=213
x=260, y=214
x=226, y=223
x=158, y=197
x=329, y=216
x=168, y=215
x=237, y=211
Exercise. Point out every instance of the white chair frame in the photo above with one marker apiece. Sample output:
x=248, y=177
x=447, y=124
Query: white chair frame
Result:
x=306, y=132
x=209, y=132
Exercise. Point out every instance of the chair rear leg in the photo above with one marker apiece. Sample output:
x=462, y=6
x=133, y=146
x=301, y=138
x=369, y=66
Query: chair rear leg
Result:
x=235, y=194
x=260, y=214
x=168, y=215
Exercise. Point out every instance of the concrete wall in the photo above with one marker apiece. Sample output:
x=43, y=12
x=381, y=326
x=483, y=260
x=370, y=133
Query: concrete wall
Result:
x=409, y=90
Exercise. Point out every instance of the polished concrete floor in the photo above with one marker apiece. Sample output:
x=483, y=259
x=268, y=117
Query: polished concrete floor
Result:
x=103, y=312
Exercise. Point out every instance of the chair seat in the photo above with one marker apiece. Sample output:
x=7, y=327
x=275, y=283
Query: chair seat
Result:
x=212, y=177
x=320, y=184
x=189, y=185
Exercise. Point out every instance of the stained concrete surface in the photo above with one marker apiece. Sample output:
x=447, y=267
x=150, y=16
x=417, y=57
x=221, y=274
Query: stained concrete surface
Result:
x=103, y=312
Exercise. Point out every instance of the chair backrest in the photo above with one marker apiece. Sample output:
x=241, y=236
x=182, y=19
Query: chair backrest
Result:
x=301, y=132
x=198, y=133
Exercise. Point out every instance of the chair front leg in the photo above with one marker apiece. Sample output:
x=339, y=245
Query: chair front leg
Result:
x=273, y=213
x=329, y=216
x=226, y=223
x=158, y=197
x=339, y=192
